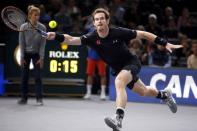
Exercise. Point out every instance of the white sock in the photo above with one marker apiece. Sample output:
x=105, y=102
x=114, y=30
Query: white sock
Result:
x=103, y=87
x=89, y=89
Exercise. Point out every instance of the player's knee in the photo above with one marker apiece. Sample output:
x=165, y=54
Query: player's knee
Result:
x=119, y=82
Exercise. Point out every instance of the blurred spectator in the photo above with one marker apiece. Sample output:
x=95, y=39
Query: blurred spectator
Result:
x=168, y=14
x=160, y=57
x=135, y=47
x=184, y=19
x=117, y=12
x=64, y=21
x=93, y=62
x=170, y=30
x=77, y=29
x=102, y=4
x=54, y=6
x=131, y=15
x=192, y=59
x=180, y=55
x=44, y=17
x=87, y=6
x=153, y=26
x=72, y=10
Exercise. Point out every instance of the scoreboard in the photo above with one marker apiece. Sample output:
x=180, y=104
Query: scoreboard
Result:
x=63, y=71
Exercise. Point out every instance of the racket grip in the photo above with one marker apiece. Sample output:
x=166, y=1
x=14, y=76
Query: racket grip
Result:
x=43, y=33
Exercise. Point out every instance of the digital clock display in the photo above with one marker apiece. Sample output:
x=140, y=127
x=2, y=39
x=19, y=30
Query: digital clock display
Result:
x=67, y=62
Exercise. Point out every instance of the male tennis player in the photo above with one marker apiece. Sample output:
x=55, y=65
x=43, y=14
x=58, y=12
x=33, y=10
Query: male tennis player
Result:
x=32, y=46
x=111, y=45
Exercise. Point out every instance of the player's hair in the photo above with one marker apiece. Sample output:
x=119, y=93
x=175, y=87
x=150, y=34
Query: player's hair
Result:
x=101, y=10
x=31, y=9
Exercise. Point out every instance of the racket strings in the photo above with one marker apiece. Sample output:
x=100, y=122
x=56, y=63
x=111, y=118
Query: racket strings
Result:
x=16, y=19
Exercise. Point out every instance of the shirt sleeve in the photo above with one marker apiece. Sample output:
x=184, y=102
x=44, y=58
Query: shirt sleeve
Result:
x=87, y=39
x=127, y=34
x=42, y=45
x=22, y=42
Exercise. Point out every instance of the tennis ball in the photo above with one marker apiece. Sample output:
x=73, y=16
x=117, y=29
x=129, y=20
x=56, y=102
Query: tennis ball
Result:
x=52, y=24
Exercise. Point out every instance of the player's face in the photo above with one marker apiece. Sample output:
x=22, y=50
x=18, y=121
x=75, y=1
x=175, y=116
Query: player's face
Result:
x=34, y=17
x=100, y=22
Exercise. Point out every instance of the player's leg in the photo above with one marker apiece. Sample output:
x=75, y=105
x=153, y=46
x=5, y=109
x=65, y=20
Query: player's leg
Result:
x=122, y=79
x=90, y=72
x=142, y=90
x=165, y=95
x=102, y=73
x=38, y=79
x=24, y=79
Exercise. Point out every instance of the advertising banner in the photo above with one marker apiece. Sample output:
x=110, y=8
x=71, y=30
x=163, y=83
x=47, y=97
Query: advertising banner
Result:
x=183, y=83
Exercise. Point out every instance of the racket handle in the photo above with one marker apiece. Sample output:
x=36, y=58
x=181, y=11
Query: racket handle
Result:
x=43, y=33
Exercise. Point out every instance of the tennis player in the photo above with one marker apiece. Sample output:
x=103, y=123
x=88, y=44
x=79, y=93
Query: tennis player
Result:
x=111, y=45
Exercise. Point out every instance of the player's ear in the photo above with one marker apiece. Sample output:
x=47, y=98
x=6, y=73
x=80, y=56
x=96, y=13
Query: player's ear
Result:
x=108, y=21
x=93, y=22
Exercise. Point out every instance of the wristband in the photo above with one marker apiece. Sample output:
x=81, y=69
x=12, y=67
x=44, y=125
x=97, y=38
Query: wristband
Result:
x=59, y=37
x=160, y=41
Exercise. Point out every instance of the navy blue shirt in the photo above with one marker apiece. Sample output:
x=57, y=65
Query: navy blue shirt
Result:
x=113, y=48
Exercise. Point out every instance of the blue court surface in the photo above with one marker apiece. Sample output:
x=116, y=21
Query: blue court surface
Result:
x=73, y=114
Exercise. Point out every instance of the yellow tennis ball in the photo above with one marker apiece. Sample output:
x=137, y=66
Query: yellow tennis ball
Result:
x=52, y=24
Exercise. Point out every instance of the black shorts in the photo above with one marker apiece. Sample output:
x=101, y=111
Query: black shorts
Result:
x=134, y=66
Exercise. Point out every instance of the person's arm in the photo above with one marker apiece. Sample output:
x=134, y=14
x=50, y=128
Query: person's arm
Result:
x=70, y=40
x=22, y=43
x=42, y=46
x=158, y=40
x=22, y=46
x=189, y=62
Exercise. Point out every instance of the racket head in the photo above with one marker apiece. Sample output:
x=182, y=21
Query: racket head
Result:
x=13, y=17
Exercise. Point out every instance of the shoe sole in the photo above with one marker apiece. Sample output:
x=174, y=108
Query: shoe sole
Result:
x=173, y=106
x=109, y=123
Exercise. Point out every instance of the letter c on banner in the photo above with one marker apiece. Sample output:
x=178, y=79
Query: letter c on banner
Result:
x=157, y=77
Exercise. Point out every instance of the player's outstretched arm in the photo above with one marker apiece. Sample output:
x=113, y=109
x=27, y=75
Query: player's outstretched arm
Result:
x=70, y=40
x=153, y=38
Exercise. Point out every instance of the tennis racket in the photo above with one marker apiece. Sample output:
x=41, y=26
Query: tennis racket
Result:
x=14, y=18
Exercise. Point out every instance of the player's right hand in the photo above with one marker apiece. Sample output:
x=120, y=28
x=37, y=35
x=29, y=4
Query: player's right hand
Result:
x=51, y=35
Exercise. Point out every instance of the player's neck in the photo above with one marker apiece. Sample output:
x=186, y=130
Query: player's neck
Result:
x=34, y=23
x=103, y=32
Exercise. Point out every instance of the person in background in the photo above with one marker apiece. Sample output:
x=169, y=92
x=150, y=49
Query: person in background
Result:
x=179, y=57
x=184, y=20
x=192, y=59
x=93, y=62
x=44, y=16
x=64, y=21
x=135, y=46
x=160, y=57
x=32, y=47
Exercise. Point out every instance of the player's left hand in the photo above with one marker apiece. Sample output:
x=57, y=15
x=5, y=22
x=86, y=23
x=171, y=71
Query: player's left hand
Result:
x=169, y=47
x=40, y=62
